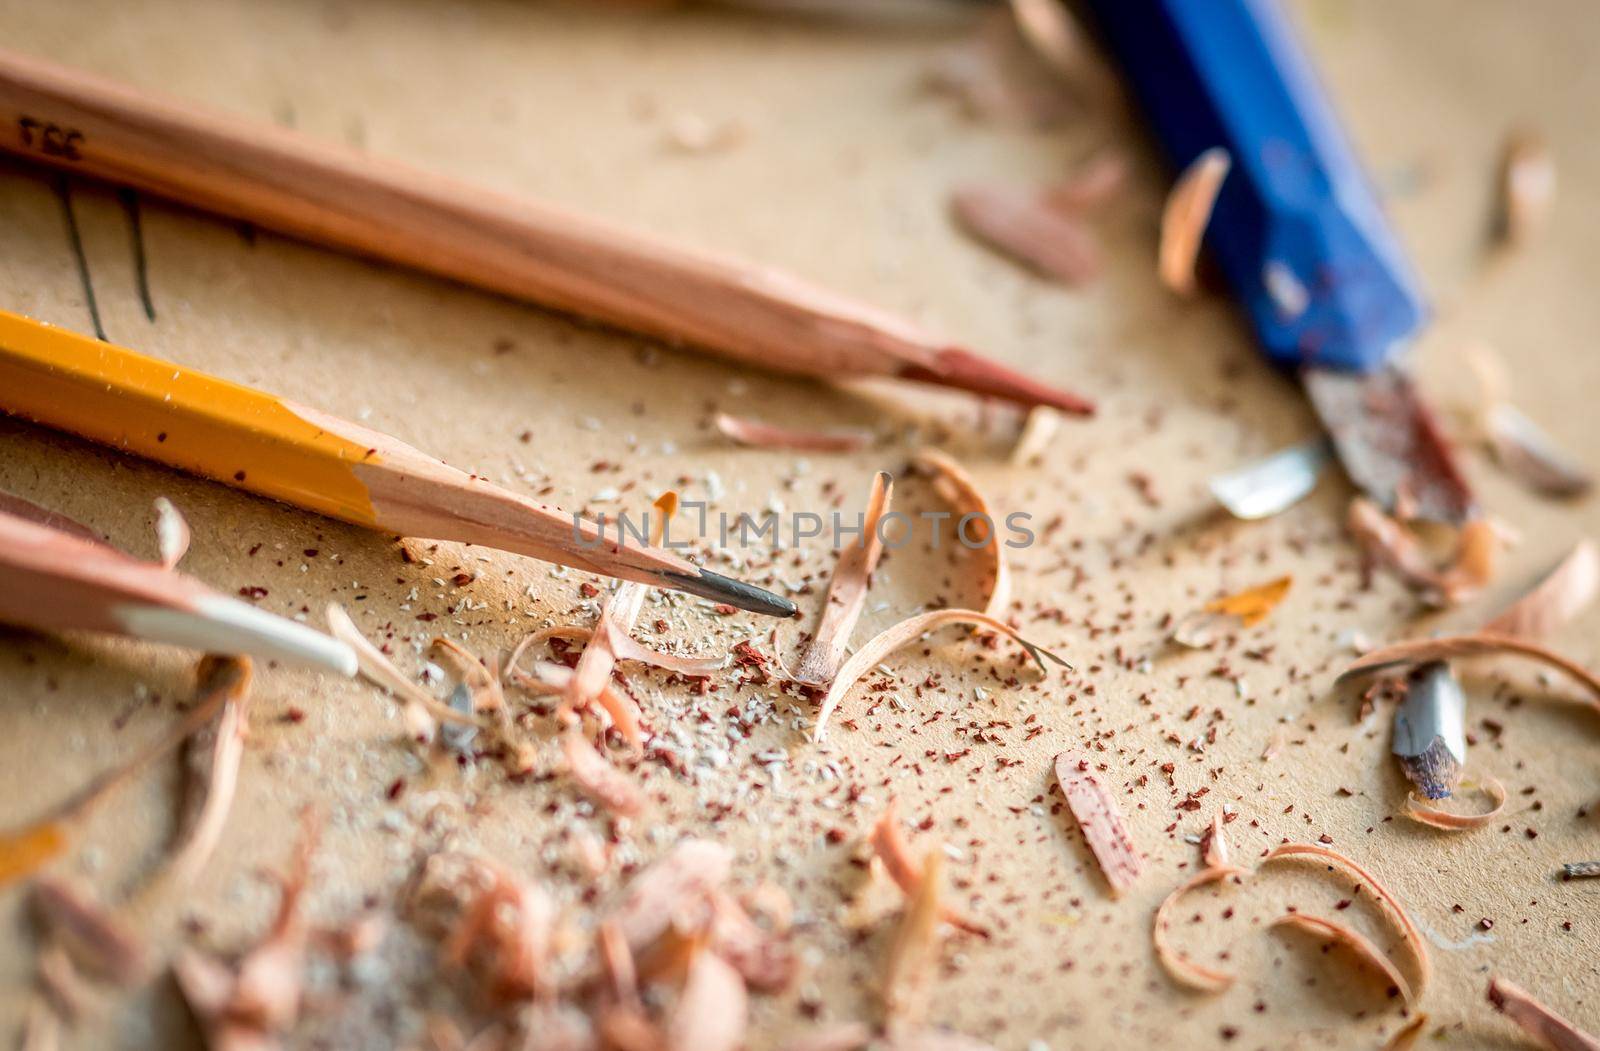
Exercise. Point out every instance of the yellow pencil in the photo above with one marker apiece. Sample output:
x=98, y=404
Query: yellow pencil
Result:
x=255, y=441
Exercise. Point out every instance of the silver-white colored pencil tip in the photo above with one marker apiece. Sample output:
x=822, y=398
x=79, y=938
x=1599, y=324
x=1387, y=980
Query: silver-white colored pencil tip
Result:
x=219, y=624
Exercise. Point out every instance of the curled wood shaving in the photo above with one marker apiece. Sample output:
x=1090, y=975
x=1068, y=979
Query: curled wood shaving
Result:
x=627, y=648
x=1184, y=219
x=684, y=876
x=956, y=486
x=421, y=710
x=172, y=533
x=1095, y=184
x=762, y=957
x=760, y=435
x=1183, y=969
x=1245, y=608
x=97, y=940
x=598, y=779
x=1452, y=647
x=889, y=845
x=903, y=633
x=713, y=1010
x=213, y=779
x=1420, y=811
x=470, y=669
x=1538, y=1021
x=24, y=851
x=1022, y=224
x=1353, y=940
x=1388, y=542
x=847, y=591
x=908, y=968
x=619, y=708
x=249, y=1005
x=1565, y=591
x=1527, y=186
x=1407, y=1035
x=1529, y=454
x=1101, y=821
x=1408, y=930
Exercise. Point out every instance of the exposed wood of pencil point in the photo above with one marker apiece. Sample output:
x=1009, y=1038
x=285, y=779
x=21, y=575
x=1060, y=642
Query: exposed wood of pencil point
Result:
x=255, y=441
x=283, y=181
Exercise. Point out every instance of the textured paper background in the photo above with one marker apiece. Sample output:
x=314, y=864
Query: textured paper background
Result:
x=842, y=176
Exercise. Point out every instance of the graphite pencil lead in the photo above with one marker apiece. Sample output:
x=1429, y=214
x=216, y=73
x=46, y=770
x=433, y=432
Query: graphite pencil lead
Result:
x=1430, y=730
x=719, y=588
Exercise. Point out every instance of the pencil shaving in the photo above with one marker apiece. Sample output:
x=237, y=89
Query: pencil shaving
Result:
x=760, y=435
x=685, y=875
x=904, y=633
x=1563, y=593
x=172, y=533
x=1185, y=216
x=908, y=968
x=1101, y=822
x=1407, y=1035
x=847, y=591
x=1038, y=432
x=1022, y=225
x=213, y=779
x=1523, y=449
x=1387, y=542
x=422, y=711
x=956, y=486
x=598, y=779
x=889, y=846
x=1242, y=609
x=713, y=1010
x=1214, y=844
x=1481, y=644
x=1549, y=1029
x=97, y=939
x=1410, y=936
x=1356, y=942
x=1179, y=966
x=1527, y=187
x=1423, y=813
x=1095, y=184
x=26, y=850
x=16, y=506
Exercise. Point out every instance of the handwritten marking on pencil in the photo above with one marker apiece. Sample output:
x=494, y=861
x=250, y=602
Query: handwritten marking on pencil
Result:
x=75, y=241
x=50, y=138
x=141, y=268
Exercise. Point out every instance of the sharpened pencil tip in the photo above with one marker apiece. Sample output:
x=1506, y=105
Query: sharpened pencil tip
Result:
x=719, y=588
x=964, y=370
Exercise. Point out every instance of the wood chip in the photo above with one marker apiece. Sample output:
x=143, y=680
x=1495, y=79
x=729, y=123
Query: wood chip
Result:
x=847, y=591
x=1214, y=844
x=1527, y=187
x=1356, y=942
x=1411, y=937
x=1546, y=1027
x=1184, y=219
x=172, y=533
x=1037, y=433
x=213, y=777
x=1422, y=811
x=1021, y=224
x=760, y=435
x=1183, y=969
x=1101, y=821
x=1526, y=452
x=902, y=634
x=1566, y=591
x=505, y=934
x=956, y=486
x=1455, y=647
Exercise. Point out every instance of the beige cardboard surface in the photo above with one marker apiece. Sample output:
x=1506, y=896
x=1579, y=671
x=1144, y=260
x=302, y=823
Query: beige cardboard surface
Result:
x=840, y=173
